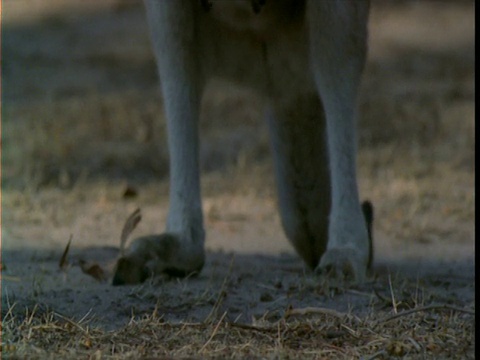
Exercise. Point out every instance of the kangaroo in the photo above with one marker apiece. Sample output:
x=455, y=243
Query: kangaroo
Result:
x=306, y=58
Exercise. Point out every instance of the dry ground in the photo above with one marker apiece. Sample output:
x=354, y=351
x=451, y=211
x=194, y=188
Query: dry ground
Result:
x=82, y=121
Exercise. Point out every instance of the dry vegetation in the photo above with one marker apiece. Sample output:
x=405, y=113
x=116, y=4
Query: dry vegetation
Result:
x=80, y=125
x=427, y=332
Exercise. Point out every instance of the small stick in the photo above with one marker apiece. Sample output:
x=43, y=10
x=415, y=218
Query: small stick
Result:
x=71, y=322
x=63, y=264
x=214, y=332
x=429, y=307
x=251, y=327
x=392, y=294
x=221, y=294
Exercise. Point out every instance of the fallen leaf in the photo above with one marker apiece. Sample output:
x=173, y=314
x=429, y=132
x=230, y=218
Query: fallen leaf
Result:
x=94, y=270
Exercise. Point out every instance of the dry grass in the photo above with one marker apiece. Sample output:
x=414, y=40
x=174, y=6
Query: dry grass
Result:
x=427, y=332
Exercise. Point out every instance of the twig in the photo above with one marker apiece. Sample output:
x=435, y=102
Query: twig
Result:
x=429, y=307
x=214, y=332
x=63, y=264
x=29, y=318
x=252, y=327
x=78, y=326
x=221, y=294
x=85, y=316
x=392, y=294
x=10, y=310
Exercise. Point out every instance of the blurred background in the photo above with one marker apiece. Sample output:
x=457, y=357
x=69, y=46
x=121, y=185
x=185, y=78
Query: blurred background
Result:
x=83, y=132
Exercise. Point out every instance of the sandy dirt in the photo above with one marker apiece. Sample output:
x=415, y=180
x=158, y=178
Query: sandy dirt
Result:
x=83, y=120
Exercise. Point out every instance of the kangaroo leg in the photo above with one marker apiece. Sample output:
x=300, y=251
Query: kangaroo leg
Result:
x=172, y=24
x=298, y=138
x=338, y=49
